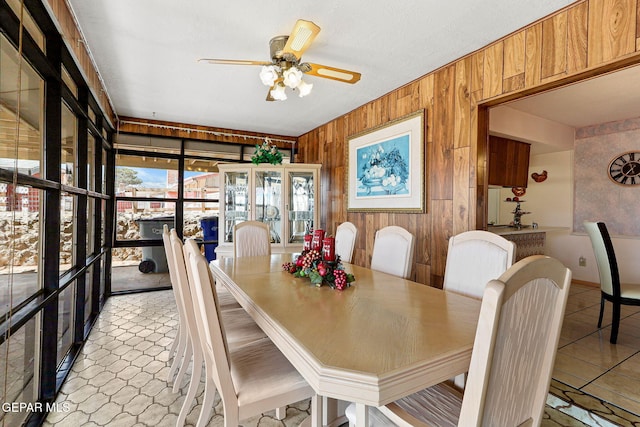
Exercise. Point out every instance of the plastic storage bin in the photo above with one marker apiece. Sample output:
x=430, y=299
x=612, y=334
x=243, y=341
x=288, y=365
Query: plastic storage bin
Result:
x=209, y=226
x=154, y=259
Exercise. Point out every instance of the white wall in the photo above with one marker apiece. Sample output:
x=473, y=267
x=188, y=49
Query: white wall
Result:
x=551, y=202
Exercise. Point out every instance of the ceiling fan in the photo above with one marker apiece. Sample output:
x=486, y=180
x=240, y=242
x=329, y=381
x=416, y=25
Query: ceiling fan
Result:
x=286, y=69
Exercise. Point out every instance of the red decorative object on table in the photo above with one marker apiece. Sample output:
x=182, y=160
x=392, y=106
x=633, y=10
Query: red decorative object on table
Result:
x=307, y=242
x=320, y=271
x=316, y=242
x=329, y=249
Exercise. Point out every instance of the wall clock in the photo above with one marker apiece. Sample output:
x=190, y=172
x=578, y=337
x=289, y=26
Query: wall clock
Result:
x=625, y=168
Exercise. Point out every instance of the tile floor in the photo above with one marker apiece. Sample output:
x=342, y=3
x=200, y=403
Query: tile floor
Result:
x=119, y=378
x=588, y=362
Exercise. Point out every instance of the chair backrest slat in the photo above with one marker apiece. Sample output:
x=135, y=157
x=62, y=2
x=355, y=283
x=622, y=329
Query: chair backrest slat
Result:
x=474, y=258
x=393, y=251
x=515, y=345
x=251, y=238
x=346, y=234
x=605, y=257
x=210, y=327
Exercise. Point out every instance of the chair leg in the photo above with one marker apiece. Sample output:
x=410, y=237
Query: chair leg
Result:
x=601, y=312
x=184, y=365
x=281, y=413
x=615, y=323
x=177, y=358
x=174, y=344
x=207, y=403
x=189, y=399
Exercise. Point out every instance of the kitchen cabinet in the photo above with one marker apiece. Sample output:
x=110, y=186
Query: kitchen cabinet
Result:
x=508, y=162
x=286, y=197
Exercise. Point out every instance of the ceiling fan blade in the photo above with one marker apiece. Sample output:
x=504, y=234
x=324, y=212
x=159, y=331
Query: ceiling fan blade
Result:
x=233, y=61
x=333, y=73
x=300, y=38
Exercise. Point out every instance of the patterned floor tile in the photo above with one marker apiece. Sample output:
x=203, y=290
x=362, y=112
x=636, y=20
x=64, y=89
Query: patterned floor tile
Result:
x=120, y=377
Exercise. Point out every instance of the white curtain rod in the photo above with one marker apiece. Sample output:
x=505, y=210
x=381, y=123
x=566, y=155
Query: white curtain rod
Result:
x=209, y=132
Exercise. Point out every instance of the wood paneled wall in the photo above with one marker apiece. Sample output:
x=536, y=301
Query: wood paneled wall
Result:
x=198, y=132
x=583, y=40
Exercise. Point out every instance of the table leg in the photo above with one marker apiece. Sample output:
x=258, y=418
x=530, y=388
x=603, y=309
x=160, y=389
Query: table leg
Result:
x=362, y=415
x=316, y=411
x=330, y=411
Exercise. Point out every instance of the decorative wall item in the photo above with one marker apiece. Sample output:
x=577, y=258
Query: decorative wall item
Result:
x=519, y=191
x=539, y=177
x=596, y=196
x=386, y=167
x=624, y=169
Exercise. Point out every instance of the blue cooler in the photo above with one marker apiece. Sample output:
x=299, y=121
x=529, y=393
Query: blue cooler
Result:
x=209, y=226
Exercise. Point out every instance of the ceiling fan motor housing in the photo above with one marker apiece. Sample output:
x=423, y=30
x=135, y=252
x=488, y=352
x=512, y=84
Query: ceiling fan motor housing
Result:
x=276, y=46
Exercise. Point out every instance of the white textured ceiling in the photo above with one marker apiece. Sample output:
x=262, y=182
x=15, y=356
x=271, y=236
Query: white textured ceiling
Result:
x=147, y=51
x=606, y=98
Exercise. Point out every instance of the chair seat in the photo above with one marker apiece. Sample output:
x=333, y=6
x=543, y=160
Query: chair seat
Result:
x=239, y=327
x=435, y=406
x=438, y=405
x=630, y=290
x=260, y=371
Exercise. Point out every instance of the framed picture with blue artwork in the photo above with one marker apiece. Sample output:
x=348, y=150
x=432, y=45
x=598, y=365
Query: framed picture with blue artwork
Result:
x=385, y=170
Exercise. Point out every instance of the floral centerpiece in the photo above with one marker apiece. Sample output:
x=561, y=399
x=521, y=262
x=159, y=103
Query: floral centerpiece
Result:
x=310, y=264
x=267, y=153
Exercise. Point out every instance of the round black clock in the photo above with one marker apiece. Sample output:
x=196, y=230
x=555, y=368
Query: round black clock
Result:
x=625, y=168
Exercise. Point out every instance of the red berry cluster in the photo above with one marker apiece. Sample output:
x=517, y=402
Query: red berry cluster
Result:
x=309, y=258
x=340, y=281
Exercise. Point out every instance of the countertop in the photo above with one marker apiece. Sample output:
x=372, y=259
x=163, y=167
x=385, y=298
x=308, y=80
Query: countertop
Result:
x=502, y=230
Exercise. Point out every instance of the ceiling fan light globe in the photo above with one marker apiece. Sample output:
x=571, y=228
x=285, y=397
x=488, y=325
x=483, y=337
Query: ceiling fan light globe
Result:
x=292, y=77
x=278, y=93
x=268, y=75
x=304, y=88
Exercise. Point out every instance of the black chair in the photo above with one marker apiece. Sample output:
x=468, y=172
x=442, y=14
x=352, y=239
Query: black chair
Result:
x=610, y=286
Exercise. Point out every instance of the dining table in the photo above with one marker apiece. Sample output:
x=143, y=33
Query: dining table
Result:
x=380, y=339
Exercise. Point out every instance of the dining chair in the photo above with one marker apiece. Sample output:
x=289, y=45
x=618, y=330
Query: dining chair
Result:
x=251, y=238
x=251, y=379
x=346, y=234
x=611, y=289
x=180, y=341
x=393, y=251
x=240, y=329
x=512, y=358
x=475, y=257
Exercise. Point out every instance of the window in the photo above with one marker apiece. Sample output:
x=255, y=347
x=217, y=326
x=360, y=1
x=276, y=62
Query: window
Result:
x=69, y=147
x=19, y=217
x=21, y=145
x=68, y=203
x=65, y=320
x=17, y=358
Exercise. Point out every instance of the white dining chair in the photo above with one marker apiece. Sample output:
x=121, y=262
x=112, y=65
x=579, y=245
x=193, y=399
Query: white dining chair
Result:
x=611, y=288
x=251, y=238
x=475, y=257
x=251, y=379
x=180, y=340
x=346, y=234
x=512, y=358
x=393, y=251
x=240, y=329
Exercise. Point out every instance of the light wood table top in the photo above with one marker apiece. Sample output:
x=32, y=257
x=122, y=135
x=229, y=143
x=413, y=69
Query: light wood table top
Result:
x=379, y=340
